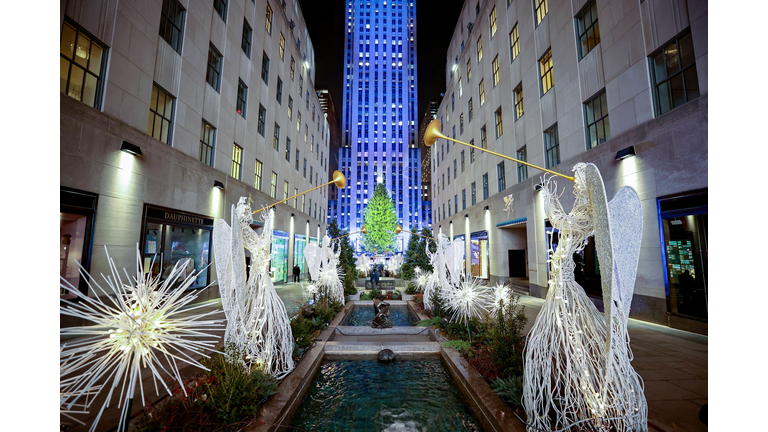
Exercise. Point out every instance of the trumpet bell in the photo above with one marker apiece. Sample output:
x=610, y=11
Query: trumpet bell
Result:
x=339, y=180
x=398, y=229
x=364, y=230
x=433, y=133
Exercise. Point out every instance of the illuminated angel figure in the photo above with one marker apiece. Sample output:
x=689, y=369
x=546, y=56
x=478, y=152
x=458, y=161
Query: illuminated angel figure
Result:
x=140, y=323
x=577, y=374
x=323, y=263
x=257, y=320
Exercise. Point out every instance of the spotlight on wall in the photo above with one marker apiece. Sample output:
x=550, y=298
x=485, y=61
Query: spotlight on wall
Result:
x=466, y=216
x=486, y=208
x=217, y=184
x=293, y=215
x=625, y=153
x=130, y=148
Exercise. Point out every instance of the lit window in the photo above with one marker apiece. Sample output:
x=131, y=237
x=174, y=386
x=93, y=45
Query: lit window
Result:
x=499, y=127
x=282, y=46
x=493, y=21
x=469, y=70
x=587, y=29
x=479, y=49
x=80, y=65
x=482, y=93
x=545, y=67
x=288, y=149
x=541, y=10
x=257, y=172
x=160, y=115
x=519, y=111
x=514, y=43
x=496, y=76
x=276, y=138
x=242, y=97
x=273, y=186
x=237, y=161
x=268, y=23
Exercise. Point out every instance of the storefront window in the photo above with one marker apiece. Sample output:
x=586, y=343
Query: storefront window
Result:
x=279, y=256
x=77, y=212
x=684, y=224
x=171, y=237
x=298, y=252
x=480, y=263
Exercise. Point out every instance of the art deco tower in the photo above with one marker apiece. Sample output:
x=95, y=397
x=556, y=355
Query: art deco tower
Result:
x=379, y=136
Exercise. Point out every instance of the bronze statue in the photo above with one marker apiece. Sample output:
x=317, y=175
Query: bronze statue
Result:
x=381, y=308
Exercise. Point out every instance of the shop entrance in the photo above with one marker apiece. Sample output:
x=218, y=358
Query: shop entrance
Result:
x=170, y=237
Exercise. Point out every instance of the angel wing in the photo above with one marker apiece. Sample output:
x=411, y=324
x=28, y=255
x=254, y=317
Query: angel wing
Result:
x=313, y=255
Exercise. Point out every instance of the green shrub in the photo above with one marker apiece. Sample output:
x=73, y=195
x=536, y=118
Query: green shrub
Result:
x=302, y=329
x=224, y=398
x=438, y=305
x=410, y=289
x=463, y=330
x=430, y=322
x=510, y=390
x=464, y=347
x=506, y=341
x=350, y=290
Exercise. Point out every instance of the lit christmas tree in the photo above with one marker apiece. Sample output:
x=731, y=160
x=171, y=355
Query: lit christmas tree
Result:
x=380, y=220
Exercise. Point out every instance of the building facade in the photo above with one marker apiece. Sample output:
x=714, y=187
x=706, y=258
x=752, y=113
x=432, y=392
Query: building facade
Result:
x=379, y=112
x=209, y=102
x=334, y=139
x=621, y=85
x=430, y=113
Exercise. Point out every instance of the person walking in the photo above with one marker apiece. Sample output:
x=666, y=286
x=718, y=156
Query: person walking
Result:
x=296, y=273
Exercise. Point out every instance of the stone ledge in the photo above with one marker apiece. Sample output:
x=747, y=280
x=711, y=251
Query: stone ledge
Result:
x=492, y=412
x=369, y=331
x=375, y=347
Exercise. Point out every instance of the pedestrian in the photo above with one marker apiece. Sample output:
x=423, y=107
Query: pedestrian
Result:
x=296, y=273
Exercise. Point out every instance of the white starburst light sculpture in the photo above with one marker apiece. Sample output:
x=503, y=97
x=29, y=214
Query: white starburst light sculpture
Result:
x=143, y=322
x=257, y=321
x=502, y=294
x=470, y=299
x=577, y=360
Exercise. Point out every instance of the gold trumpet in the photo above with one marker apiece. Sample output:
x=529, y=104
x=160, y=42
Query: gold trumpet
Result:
x=433, y=134
x=364, y=231
x=338, y=179
x=400, y=229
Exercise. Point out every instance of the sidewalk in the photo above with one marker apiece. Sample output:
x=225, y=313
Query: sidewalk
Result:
x=673, y=365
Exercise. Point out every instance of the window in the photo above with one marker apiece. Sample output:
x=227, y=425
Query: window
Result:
x=311, y=171
x=502, y=174
x=305, y=168
x=171, y=23
x=479, y=49
x=301, y=84
x=297, y=159
x=160, y=115
x=463, y=199
x=265, y=68
x=247, y=35
x=280, y=91
x=456, y=203
x=293, y=66
x=472, y=152
x=485, y=186
x=519, y=111
x=298, y=122
x=290, y=108
x=276, y=138
x=482, y=93
x=80, y=63
x=237, y=161
x=220, y=6
x=262, y=119
x=587, y=30
x=281, y=48
x=257, y=172
x=541, y=10
x=469, y=110
x=545, y=67
x=673, y=71
x=492, y=17
x=596, y=116
x=522, y=170
x=514, y=43
x=213, y=74
x=496, y=77
x=449, y=207
x=455, y=171
x=461, y=123
x=206, y=143
x=242, y=97
x=551, y=147
x=469, y=69
x=273, y=186
x=285, y=190
x=295, y=197
x=483, y=141
x=499, y=127
x=474, y=195
x=288, y=149
x=269, y=19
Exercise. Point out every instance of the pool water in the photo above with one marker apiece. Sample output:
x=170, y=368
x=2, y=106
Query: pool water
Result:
x=362, y=315
x=368, y=396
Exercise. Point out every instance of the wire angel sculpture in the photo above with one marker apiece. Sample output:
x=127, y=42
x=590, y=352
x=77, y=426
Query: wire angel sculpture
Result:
x=576, y=373
x=323, y=263
x=257, y=321
x=142, y=323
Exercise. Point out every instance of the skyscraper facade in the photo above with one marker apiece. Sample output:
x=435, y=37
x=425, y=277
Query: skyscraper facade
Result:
x=379, y=143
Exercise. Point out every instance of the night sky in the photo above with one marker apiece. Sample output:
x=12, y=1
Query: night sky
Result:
x=435, y=21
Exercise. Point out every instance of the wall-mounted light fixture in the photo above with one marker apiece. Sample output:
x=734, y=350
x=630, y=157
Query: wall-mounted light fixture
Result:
x=625, y=153
x=486, y=208
x=537, y=187
x=293, y=215
x=466, y=216
x=217, y=184
x=130, y=148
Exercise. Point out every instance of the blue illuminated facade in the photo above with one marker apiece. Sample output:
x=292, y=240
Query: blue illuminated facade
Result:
x=379, y=130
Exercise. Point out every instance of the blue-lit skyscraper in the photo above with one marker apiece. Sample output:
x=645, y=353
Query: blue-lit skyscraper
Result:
x=379, y=136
